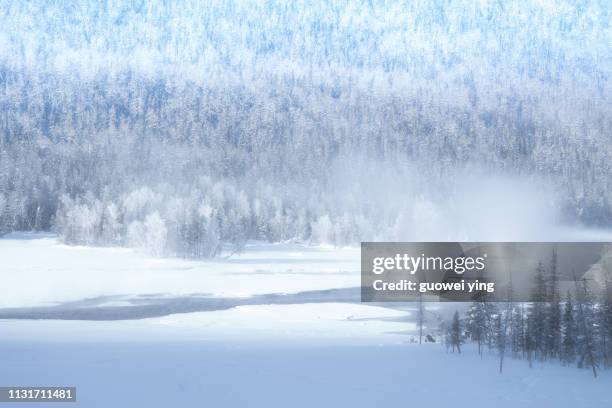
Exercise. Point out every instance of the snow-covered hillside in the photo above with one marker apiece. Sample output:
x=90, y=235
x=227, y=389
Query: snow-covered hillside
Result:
x=182, y=126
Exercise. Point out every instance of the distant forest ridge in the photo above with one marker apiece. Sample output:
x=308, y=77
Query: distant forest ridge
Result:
x=179, y=126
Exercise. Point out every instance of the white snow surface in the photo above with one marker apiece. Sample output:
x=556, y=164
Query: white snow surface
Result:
x=297, y=355
x=241, y=373
x=305, y=324
x=38, y=270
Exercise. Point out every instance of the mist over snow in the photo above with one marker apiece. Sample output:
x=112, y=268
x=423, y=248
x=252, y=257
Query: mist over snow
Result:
x=179, y=127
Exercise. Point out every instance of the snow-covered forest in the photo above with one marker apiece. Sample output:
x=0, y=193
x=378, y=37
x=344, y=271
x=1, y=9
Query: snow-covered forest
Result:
x=179, y=126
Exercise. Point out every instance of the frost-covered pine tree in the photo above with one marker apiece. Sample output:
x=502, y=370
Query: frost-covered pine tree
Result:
x=501, y=337
x=568, y=343
x=476, y=324
x=456, y=333
x=420, y=316
x=605, y=322
x=586, y=350
x=518, y=330
x=530, y=344
x=553, y=310
x=538, y=314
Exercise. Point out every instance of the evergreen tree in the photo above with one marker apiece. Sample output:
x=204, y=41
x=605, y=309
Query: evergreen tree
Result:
x=476, y=324
x=491, y=311
x=501, y=337
x=605, y=323
x=553, y=315
x=530, y=344
x=420, y=316
x=456, y=334
x=518, y=330
x=538, y=314
x=585, y=343
x=568, y=345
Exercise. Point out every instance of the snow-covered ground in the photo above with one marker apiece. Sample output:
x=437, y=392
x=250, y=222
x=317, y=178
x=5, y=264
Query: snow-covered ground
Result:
x=37, y=270
x=260, y=350
x=323, y=355
x=239, y=373
x=329, y=323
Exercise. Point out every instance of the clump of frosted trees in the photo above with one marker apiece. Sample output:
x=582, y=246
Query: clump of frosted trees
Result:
x=196, y=224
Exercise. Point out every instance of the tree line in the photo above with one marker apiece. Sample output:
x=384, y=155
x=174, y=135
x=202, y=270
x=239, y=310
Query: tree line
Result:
x=574, y=329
